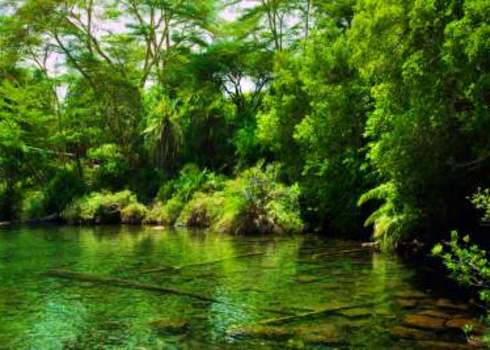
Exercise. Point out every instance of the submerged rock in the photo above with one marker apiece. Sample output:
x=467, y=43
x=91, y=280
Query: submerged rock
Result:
x=449, y=304
x=407, y=303
x=260, y=332
x=424, y=322
x=474, y=326
x=435, y=313
x=325, y=334
x=172, y=326
x=441, y=345
x=411, y=294
x=322, y=339
x=410, y=333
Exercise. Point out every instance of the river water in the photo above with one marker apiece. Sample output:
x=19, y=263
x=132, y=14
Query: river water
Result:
x=367, y=297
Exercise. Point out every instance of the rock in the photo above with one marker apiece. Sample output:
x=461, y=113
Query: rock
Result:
x=260, y=332
x=410, y=333
x=158, y=227
x=175, y=326
x=441, y=345
x=323, y=334
x=449, y=304
x=424, y=322
x=435, y=313
x=322, y=340
x=407, y=303
x=461, y=323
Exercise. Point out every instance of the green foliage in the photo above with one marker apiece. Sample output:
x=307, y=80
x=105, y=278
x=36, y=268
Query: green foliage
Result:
x=393, y=219
x=467, y=263
x=61, y=190
x=111, y=168
x=133, y=213
x=174, y=194
x=102, y=208
x=481, y=200
x=10, y=202
x=254, y=202
x=33, y=205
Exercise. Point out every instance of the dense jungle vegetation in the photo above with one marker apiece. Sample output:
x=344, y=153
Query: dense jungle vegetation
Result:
x=338, y=116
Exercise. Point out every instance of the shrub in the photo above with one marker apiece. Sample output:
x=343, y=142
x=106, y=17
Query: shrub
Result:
x=202, y=210
x=155, y=215
x=134, y=214
x=254, y=202
x=61, y=190
x=33, y=205
x=99, y=208
x=165, y=214
x=174, y=194
x=257, y=203
x=468, y=264
x=10, y=202
x=190, y=180
x=111, y=167
x=481, y=200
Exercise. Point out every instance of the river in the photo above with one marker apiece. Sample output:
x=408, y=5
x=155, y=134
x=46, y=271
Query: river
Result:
x=258, y=292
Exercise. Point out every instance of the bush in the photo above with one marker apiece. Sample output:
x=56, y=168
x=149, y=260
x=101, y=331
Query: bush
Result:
x=61, y=190
x=190, y=180
x=468, y=264
x=481, y=200
x=33, y=205
x=134, y=214
x=10, y=202
x=254, y=202
x=155, y=215
x=99, y=208
x=202, y=210
x=174, y=194
x=165, y=214
x=111, y=168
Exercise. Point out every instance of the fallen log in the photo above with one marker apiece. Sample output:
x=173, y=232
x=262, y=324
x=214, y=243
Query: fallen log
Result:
x=119, y=282
x=213, y=262
x=311, y=314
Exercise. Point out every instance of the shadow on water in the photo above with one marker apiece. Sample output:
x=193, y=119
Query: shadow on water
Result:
x=271, y=292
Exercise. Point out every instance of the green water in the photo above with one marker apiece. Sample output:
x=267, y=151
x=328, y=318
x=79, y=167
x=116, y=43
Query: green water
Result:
x=295, y=273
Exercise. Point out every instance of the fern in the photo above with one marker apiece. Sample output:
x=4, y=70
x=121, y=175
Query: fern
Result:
x=391, y=220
